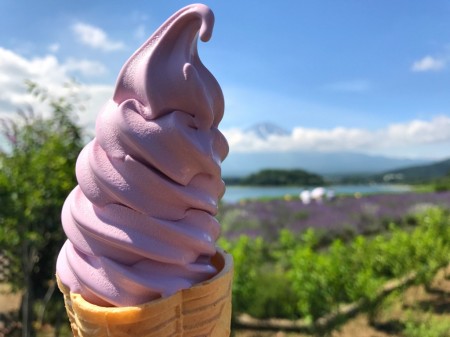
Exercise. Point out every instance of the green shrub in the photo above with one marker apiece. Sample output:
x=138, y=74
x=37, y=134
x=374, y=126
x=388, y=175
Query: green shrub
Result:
x=426, y=327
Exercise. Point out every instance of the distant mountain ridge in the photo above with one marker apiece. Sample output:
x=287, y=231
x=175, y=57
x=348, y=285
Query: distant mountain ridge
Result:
x=332, y=163
x=417, y=174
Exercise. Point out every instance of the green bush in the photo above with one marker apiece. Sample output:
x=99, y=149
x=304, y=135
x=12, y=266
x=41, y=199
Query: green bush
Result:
x=426, y=327
x=274, y=296
x=248, y=256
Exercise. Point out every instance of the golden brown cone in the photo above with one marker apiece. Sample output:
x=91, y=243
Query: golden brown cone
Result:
x=203, y=310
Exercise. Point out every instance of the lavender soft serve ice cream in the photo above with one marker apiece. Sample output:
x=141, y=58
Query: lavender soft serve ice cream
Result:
x=140, y=224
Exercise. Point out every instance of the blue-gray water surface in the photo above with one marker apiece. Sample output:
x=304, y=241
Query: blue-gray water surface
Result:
x=236, y=193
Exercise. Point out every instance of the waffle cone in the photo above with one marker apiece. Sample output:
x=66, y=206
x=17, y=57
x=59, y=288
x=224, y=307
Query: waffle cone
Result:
x=202, y=310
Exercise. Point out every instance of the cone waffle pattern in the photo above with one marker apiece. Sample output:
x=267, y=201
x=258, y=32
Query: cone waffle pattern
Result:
x=201, y=311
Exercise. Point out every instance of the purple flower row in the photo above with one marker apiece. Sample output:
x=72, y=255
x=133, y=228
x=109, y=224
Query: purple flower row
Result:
x=357, y=215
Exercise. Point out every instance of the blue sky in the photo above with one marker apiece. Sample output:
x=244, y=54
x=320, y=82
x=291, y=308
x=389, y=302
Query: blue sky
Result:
x=364, y=76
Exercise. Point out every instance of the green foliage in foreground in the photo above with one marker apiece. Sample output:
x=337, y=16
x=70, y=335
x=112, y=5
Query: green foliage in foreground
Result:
x=293, y=278
x=37, y=173
x=426, y=327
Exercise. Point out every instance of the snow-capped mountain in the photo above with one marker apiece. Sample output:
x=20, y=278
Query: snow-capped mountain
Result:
x=265, y=130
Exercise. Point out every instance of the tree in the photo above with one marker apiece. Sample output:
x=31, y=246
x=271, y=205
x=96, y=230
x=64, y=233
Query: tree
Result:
x=281, y=177
x=37, y=173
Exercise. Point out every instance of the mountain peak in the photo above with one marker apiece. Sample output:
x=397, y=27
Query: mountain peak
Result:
x=267, y=129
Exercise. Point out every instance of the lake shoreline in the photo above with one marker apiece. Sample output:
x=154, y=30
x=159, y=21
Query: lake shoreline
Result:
x=235, y=193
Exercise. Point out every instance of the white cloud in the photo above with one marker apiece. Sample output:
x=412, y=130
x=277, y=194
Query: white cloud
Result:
x=391, y=139
x=98, y=95
x=428, y=63
x=54, y=47
x=95, y=37
x=85, y=67
x=50, y=74
x=14, y=70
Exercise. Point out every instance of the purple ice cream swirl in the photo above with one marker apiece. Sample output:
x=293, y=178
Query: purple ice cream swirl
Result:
x=140, y=224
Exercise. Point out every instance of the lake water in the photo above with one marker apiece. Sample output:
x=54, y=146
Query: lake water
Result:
x=236, y=193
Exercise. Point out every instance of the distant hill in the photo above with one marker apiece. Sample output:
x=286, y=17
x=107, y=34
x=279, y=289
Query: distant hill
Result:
x=416, y=174
x=273, y=177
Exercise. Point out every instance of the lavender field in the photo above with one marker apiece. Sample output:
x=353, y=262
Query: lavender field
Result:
x=342, y=216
